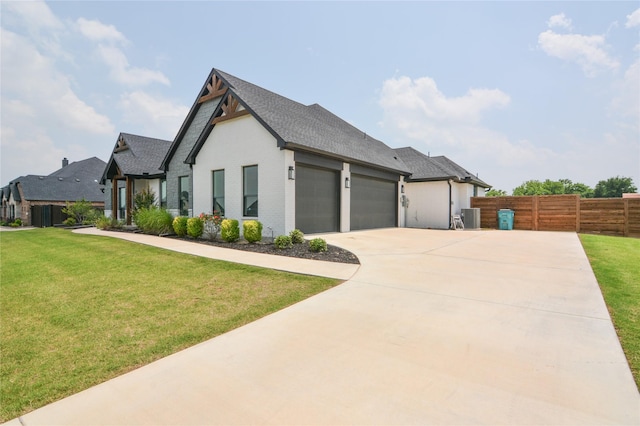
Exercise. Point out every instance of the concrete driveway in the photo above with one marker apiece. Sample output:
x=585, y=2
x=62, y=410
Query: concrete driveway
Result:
x=436, y=327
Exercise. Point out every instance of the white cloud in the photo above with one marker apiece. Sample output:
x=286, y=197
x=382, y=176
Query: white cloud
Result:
x=419, y=114
x=559, y=20
x=36, y=83
x=36, y=15
x=154, y=115
x=122, y=72
x=97, y=31
x=588, y=51
x=38, y=102
x=633, y=20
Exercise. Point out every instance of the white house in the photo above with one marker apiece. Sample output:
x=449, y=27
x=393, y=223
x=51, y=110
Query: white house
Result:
x=253, y=154
x=248, y=153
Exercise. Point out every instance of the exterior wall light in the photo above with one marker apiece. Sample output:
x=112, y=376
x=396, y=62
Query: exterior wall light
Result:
x=402, y=189
x=347, y=183
x=292, y=173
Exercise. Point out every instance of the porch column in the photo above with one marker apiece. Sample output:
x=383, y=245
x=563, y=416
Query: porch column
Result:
x=129, y=199
x=114, y=198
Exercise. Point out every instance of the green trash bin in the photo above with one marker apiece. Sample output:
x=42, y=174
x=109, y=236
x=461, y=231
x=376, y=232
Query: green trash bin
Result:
x=505, y=219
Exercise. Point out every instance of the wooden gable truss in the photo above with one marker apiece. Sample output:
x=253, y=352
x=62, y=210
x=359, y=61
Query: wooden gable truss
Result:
x=215, y=87
x=230, y=109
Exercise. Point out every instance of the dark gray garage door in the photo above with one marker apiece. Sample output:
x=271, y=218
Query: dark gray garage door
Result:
x=317, y=199
x=373, y=203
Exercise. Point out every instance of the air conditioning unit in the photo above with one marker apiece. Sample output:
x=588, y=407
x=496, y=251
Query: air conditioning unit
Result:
x=471, y=218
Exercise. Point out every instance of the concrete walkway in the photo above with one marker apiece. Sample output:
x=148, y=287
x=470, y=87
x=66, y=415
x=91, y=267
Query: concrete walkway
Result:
x=436, y=327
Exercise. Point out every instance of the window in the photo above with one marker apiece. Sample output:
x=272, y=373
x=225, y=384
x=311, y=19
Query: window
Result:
x=183, y=191
x=122, y=202
x=163, y=193
x=250, y=191
x=218, y=192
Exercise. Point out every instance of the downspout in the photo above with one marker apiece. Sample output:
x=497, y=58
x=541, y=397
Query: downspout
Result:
x=450, y=224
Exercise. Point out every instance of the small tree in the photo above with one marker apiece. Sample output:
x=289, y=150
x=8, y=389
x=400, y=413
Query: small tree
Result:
x=82, y=211
x=143, y=200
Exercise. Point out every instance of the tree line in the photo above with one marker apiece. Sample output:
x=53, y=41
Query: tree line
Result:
x=611, y=188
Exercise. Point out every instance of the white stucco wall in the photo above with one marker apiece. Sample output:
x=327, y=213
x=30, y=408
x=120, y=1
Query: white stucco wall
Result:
x=243, y=142
x=429, y=203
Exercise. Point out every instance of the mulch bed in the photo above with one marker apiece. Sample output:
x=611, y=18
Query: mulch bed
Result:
x=333, y=253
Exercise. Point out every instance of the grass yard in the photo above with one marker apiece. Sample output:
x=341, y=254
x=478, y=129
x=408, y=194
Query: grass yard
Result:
x=76, y=310
x=616, y=264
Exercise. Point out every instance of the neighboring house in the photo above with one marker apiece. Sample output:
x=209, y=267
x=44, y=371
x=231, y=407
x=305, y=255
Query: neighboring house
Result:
x=134, y=166
x=248, y=153
x=38, y=200
x=437, y=189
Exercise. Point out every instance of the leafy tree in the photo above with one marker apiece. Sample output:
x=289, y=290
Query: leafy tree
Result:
x=531, y=187
x=585, y=191
x=614, y=187
x=552, y=187
x=496, y=193
x=82, y=211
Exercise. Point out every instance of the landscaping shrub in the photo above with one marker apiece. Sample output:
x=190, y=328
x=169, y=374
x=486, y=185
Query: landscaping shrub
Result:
x=297, y=237
x=70, y=221
x=283, y=242
x=211, y=224
x=195, y=227
x=318, y=245
x=230, y=230
x=82, y=211
x=252, y=230
x=180, y=225
x=154, y=221
x=16, y=223
x=104, y=222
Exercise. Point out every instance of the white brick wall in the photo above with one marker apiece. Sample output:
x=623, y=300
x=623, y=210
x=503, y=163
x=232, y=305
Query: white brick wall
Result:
x=244, y=142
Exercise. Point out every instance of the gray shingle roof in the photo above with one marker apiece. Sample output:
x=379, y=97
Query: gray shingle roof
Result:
x=71, y=183
x=51, y=188
x=143, y=156
x=426, y=168
x=311, y=127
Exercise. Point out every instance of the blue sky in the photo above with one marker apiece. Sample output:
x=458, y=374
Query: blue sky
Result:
x=509, y=90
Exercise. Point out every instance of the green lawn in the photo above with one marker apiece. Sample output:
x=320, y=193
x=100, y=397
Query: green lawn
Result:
x=616, y=264
x=76, y=310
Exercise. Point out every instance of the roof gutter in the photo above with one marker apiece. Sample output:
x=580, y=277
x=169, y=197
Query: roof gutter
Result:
x=295, y=147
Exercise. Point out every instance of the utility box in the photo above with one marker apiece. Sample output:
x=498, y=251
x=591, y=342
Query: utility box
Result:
x=471, y=218
x=505, y=219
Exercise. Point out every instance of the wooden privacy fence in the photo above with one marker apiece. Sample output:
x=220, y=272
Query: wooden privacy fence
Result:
x=611, y=216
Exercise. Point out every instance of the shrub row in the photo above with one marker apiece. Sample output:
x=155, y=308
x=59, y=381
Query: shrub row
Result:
x=296, y=236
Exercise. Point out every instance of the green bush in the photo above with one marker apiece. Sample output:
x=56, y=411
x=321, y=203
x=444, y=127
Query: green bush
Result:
x=297, y=237
x=104, y=222
x=195, y=227
x=318, y=245
x=230, y=230
x=70, y=221
x=82, y=211
x=283, y=242
x=17, y=222
x=180, y=225
x=252, y=230
x=154, y=221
